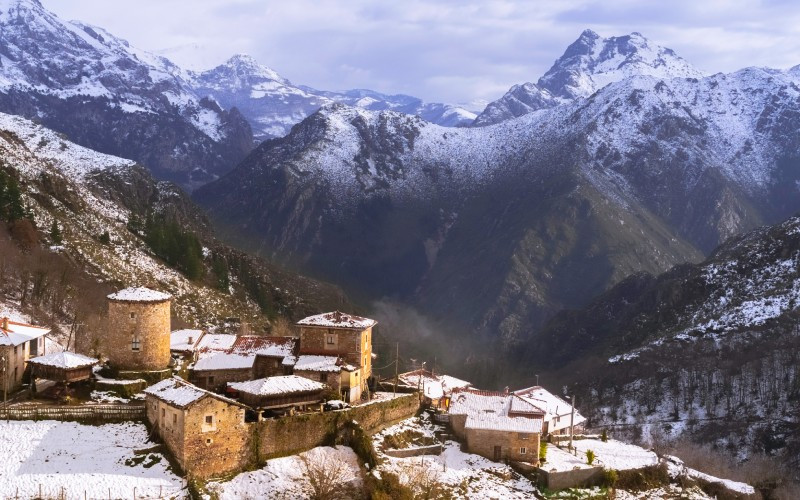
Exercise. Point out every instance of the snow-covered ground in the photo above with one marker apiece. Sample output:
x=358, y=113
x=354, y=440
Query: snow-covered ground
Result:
x=467, y=475
x=71, y=460
x=285, y=478
x=558, y=460
x=616, y=454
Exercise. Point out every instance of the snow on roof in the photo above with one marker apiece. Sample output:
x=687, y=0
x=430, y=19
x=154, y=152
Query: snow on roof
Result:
x=178, y=392
x=433, y=386
x=64, y=359
x=224, y=361
x=272, y=386
x=14, y=333
x=314, y=363
x=184, y=340
x=139, y=294
x=215, y=342
x=278, y=347
x=338, y=319
x=289, y=361
x=490, y=411
x=553, y=405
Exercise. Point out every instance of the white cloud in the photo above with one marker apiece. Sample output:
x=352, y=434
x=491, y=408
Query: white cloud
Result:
x=440, y=50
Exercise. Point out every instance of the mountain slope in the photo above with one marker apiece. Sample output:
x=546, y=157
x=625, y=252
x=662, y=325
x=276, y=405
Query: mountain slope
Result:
x=109, y=96
x=94, y=199
x=273, y=104
x=393, y=206
x=709, y=350
x=589, y=64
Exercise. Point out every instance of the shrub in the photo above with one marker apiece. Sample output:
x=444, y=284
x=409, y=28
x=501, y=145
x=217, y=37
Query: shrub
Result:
x=105, y=238
x=604, y=436
x=388, y=487
x=610, y=478
x=590, y=456
x=55, y=233
x=542, y=451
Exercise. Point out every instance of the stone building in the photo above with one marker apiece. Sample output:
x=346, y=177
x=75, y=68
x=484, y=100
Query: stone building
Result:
x=558, y=413
x=498, y=426
x=19, y=342
x=343, y=335
x=342, y=378
x=205, y=432
x=238, y=359
x=138, y=335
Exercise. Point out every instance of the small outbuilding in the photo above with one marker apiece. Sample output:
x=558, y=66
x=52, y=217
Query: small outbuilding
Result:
x=66, y=367
x=288, y=391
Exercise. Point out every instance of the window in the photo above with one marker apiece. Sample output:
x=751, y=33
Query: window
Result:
x=210, y=419
x=15, y=350
x=330, y=339
x=523, y=435
x=209, y=441
x=523, y=451
x=174, y=418
x=135, y=344
x=163, y=412
x=322, y=376
x=133, y=315
x=210, y=381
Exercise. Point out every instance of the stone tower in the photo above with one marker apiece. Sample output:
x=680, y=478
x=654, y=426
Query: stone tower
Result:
x=138, y=330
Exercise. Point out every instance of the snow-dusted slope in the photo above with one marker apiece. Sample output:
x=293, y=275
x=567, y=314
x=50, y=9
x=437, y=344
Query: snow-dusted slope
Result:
x=107, y=95
x=273, y=104
x=589, y=64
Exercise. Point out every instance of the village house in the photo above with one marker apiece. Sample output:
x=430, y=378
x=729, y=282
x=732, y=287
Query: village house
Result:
x=498, y=426
x=205, y=432
x=344, y=336
x=247, y=357
x=342, y=378
x=19, y=342
x=558, y=413
x=435, y=390
x=280, y=393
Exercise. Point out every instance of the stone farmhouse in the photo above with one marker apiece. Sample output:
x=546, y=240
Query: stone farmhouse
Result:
x=205, y=432
x=64, y=367
x=558, y=413
x=19, y=342
x=498, y=426
x=346, y=336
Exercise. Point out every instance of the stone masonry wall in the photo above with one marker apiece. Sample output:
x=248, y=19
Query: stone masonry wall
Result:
x=353, y=345
x=150, y=324
x=200, y=378
x=217, y=448
x=290, y=435
x=483, y=442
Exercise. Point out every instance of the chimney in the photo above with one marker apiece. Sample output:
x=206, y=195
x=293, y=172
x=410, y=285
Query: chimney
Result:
x=5, y=323
x=505, y=389
x=337, y=317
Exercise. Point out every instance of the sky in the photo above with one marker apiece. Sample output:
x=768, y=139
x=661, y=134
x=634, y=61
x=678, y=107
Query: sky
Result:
x=453, y=51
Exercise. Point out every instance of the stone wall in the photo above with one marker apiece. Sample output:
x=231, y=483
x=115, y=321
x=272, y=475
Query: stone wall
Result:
x=290, y=435
x=216, y=448
x=483, y=442
x=570, y=478
x=353, y=345
x=149, y=322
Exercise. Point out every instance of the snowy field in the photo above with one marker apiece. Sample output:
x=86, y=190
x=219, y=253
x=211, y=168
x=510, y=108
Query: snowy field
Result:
x=467, y=475
x=285, y=478
x=74, y=461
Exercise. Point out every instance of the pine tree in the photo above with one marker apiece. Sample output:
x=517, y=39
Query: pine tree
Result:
x=55, y=233
x=105, y=238
x=15, y=210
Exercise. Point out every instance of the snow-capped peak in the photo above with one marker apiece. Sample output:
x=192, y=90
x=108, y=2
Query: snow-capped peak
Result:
x=591, y=62
x=243, y=71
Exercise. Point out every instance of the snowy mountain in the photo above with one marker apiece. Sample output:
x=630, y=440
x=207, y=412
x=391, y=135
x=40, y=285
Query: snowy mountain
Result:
x=545, y=210
x=109, y=96
x=272, y=104
x=589, y=64
x=92, y=197
x=709, y=349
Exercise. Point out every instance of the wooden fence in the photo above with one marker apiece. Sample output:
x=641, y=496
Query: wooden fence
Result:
x=104, y=412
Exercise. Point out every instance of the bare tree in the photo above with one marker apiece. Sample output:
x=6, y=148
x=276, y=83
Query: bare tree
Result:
x=328, y=477
x=425, y=481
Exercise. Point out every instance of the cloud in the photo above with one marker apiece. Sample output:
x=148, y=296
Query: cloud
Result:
x=440, y=50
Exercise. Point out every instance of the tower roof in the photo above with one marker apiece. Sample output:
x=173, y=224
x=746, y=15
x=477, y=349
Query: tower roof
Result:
x=139, y=294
